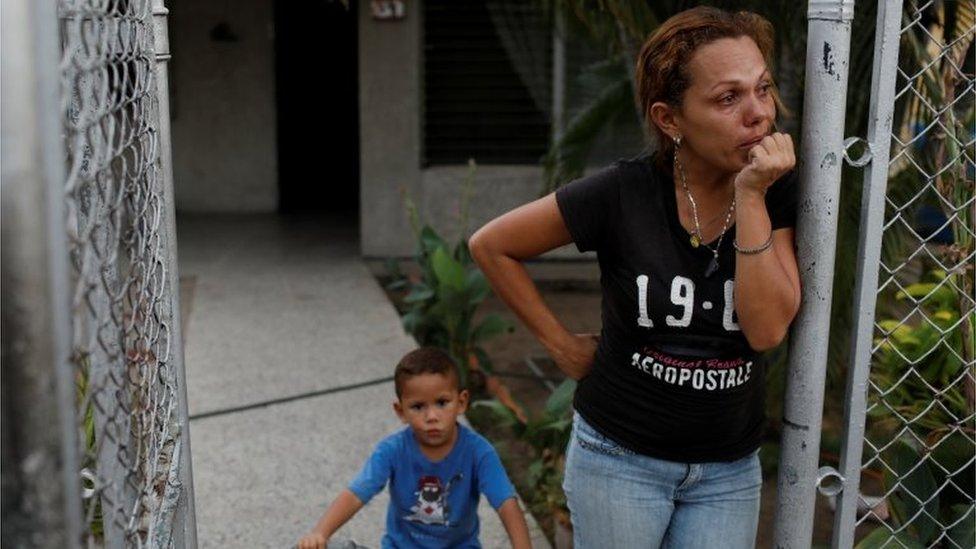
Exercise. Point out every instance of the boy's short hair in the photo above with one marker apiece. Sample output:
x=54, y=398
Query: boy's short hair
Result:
x=425, y=360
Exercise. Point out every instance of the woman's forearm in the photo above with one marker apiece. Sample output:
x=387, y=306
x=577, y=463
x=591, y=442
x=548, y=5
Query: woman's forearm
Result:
x=499, y=248
x=766, y=298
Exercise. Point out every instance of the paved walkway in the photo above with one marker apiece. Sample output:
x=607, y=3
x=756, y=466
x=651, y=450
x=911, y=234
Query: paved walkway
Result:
x=290, y=345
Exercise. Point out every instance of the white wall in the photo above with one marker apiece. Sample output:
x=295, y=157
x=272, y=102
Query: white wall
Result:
x=223, y=106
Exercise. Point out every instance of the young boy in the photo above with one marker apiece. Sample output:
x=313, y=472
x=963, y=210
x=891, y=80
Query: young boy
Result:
x=437, y=468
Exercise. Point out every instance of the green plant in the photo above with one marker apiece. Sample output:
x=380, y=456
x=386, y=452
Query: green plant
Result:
x=930, y=495
x=84, y=404
x=441, y=301
x=610, y=87
x=547, y=435
x=931, y=347
x=919, y=405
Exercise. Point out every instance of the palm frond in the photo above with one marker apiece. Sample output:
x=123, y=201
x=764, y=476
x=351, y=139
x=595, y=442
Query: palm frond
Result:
x=568, y=154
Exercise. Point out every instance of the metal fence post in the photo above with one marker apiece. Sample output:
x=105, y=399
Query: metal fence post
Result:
x=185, y=514
x=869, y=259
x=41, y=503
x=828, y=48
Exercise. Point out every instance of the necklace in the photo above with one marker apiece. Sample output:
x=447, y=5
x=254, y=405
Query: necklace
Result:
x=696, y=238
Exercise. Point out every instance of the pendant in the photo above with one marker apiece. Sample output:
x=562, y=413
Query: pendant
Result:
x=712, y=266
x=695, y=241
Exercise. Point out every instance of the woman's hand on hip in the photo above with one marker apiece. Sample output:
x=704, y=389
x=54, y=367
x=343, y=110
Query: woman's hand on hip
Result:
x=768, y=161
x=574, y=354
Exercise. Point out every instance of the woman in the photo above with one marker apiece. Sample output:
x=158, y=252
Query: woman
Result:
x=698, y=276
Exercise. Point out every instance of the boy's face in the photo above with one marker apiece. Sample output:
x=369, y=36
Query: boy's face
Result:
x=430, y=404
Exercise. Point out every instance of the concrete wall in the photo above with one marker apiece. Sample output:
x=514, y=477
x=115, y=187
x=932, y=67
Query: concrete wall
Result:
x=391, y=105
x=223, y=106
x=496, y=190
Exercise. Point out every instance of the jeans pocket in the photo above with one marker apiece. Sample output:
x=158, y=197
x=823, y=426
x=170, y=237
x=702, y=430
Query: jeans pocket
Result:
x=588, y=438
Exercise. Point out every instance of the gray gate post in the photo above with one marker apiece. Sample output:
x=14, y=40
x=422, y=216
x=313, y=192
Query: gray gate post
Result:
x=41, y=500
x=883, y=77
x=184, y=525
x=821, y=154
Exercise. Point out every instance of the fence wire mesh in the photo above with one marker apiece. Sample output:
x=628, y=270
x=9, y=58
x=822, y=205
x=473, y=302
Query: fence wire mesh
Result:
x=126, y=386
x=920, y=450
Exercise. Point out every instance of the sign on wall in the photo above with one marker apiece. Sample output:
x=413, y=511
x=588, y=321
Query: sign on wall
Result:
x=388, y=10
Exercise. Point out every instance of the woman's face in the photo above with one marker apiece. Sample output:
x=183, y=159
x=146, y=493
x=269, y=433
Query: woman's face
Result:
x=729, y=106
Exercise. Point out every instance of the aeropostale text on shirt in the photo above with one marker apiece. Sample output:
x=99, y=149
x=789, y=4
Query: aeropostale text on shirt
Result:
x=701, y=375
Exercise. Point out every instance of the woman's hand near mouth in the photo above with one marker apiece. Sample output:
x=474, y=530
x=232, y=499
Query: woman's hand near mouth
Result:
x=769, y=159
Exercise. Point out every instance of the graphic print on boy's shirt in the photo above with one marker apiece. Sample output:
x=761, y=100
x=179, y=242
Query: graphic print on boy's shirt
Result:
x=432, y=506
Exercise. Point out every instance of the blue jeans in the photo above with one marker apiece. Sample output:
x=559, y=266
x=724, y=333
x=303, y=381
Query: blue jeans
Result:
x=621, y=499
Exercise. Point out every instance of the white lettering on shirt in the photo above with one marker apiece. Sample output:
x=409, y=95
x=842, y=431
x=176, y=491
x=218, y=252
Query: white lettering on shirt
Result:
x=682, y=294
x=727, y=321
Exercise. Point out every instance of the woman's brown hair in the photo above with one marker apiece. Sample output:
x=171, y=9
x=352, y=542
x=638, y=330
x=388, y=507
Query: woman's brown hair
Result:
x=662, y=66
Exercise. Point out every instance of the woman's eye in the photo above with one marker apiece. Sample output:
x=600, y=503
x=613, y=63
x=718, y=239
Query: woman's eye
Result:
x=764, y=89
x=727, y=99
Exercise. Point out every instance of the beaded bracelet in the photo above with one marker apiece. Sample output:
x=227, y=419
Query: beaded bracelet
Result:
x=751, y=251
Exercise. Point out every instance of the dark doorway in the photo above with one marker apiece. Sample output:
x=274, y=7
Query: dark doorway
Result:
x=317, y=79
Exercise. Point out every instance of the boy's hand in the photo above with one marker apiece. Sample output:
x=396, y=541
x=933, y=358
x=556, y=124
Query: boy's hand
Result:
x=342, y=509
x=313, y=540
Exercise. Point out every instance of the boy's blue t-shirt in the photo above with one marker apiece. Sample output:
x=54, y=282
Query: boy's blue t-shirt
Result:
x=433, y=504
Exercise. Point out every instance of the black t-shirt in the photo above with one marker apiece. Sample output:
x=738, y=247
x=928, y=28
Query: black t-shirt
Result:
x=674, y=377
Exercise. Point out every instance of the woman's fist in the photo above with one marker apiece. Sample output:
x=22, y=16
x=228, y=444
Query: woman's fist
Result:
x=768, y=161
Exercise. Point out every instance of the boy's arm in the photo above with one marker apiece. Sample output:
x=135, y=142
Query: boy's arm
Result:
x=345, y=505
x=514, y=521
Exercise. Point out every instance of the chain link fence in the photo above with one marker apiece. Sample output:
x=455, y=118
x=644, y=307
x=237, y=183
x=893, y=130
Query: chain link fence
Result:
x=123, y=293
x=919, y=443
